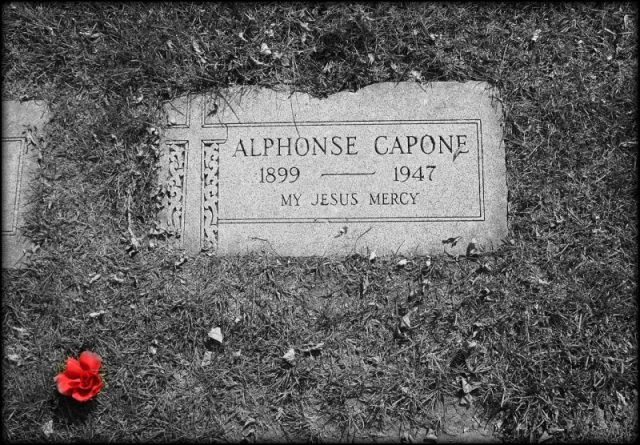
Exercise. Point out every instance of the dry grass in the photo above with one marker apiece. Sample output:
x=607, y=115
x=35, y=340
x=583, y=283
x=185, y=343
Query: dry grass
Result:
x=552, y=314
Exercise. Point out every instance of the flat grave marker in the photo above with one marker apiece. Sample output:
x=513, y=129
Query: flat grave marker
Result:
x=19, y=164
x=395, y=168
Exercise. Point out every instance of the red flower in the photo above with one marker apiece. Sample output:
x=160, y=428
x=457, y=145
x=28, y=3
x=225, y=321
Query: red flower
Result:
x=80, y=379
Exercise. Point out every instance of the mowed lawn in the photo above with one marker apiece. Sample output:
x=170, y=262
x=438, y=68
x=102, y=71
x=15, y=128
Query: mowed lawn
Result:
x=540, y=335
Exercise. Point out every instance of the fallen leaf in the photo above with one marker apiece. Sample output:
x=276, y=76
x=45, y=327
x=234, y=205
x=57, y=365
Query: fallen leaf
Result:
x=15, y=358
x=196, y=47
x=216, y=334
x=96, y=314
x=373, y=256
x=466, y=388
x=180, y=262
x=264, y=49
x=95, y=278
x=467, y=400
x=452, y=241
x=342, y=231
x=431, y=436
x=372, y=58
x=402, y=262
x=47, y=428
x=206, y=359
x=241, y=35
x=416, y=75
x=405, y=322
x=536, y=35
x=153, y=350
x=290, y=356
x=545, y=436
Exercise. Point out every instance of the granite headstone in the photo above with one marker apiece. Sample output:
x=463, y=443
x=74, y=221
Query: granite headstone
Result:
x=19, y=163
x=391, y=168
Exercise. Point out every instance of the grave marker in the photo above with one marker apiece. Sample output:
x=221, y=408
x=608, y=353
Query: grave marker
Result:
x=19, y=163
x=391, y=167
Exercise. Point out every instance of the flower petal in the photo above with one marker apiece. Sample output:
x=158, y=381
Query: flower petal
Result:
x=82, y=395
x=65, y=384
x=90, y=361
x=73, y=369
x=86, y=392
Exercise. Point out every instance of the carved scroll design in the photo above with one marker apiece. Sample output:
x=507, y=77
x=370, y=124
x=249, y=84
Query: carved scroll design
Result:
x=210, y=178
x=172, y=192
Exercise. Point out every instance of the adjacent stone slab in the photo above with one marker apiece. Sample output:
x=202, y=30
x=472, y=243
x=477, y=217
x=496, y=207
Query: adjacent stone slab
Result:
x=19, y=164
x=391, y=168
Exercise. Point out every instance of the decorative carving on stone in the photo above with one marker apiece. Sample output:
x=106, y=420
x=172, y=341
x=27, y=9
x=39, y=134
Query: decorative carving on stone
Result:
x=172, y=193
x=210, y=178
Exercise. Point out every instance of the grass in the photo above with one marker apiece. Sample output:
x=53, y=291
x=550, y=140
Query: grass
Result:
x=545, y=327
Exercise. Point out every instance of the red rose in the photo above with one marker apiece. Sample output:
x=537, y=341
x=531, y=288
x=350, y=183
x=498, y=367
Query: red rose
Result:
x=80, y=379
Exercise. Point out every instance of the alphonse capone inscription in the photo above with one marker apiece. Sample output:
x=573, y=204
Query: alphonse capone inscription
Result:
x=292, y=171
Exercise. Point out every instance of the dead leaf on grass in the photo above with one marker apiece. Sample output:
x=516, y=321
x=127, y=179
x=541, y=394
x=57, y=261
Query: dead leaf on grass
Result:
x=544, y=437
x=264, y=49
x=402, y=262
x=47, y=428
x=536, y=35
x=416, y=75
x=342, y=231
x=206, y=359
x=453, y=241
x=94, y=278
x=290, y=356
x=216, y=334
x=431, y=435
x=96, y=314
x=373, y=256
x=15, y=358
x=405, y=322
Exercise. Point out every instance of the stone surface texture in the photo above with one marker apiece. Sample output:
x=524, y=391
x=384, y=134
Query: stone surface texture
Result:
x=19, y=163
x=391, y=168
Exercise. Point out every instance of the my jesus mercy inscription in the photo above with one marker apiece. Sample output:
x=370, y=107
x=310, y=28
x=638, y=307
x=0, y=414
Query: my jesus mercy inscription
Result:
x=395, y=168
